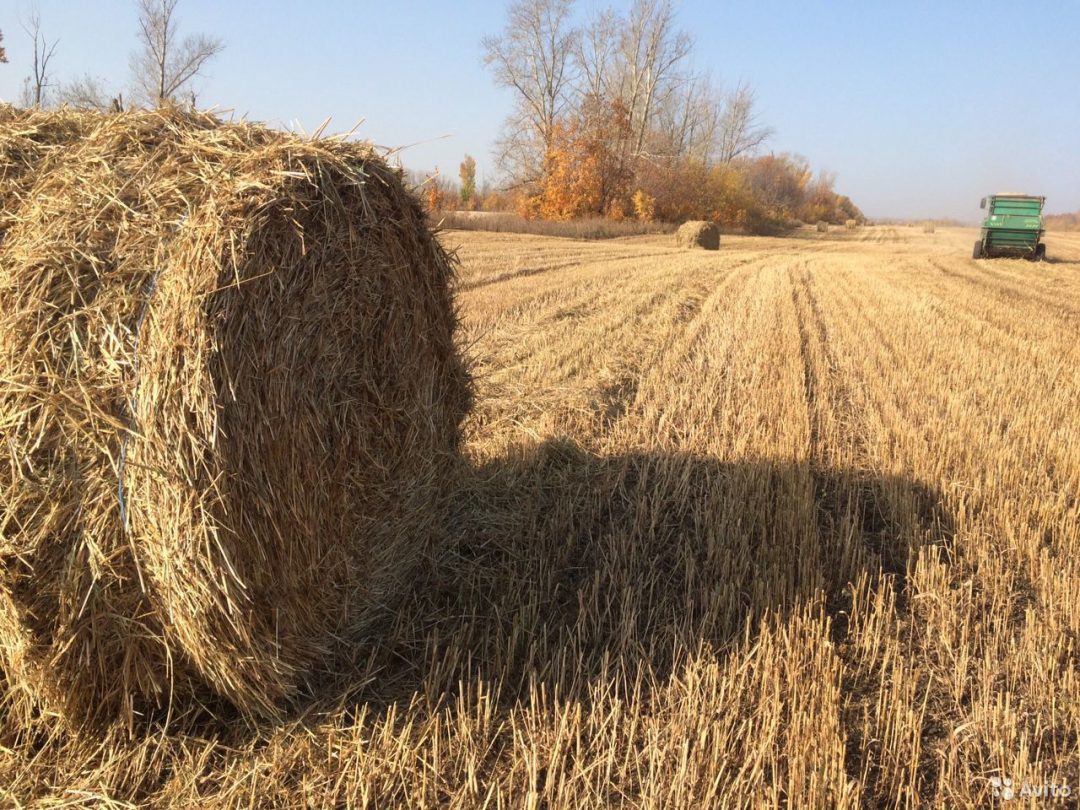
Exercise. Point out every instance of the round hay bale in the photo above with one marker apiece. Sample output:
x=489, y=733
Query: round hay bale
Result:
x=698, y=234
x=230, y=396
x=851, y=224
x=823, y=227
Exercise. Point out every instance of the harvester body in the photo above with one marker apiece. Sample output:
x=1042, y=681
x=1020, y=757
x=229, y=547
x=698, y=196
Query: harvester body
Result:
x=1013, y=227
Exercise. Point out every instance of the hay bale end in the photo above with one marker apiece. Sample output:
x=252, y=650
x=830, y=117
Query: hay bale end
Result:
x=231, y=396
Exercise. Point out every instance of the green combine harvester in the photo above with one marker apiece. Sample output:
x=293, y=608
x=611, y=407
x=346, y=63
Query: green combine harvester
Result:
x=1013, y=227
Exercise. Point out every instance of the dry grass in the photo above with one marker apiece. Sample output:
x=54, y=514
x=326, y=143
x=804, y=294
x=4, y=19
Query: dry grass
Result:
x=505, y=222
x=795, y=524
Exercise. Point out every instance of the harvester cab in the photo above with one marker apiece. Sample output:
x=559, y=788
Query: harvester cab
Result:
x=1013, y=227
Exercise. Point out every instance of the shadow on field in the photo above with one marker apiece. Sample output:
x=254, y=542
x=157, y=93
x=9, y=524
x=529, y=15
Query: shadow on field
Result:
x=564, y=569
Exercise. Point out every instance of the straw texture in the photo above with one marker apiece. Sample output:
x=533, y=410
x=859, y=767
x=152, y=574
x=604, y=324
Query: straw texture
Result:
x=698, y=234
x=229, y=394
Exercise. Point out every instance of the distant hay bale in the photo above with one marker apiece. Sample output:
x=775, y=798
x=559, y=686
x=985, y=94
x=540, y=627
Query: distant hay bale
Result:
x=928, y=227
x=823, y=227
x=851, y=224
x=698, y=234
x=230, y=395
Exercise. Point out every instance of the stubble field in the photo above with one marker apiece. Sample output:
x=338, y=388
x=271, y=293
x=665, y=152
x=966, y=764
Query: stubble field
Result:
x=795, y=523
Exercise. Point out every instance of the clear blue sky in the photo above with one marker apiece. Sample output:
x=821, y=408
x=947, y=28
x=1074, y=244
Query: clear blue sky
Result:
x=919, y=107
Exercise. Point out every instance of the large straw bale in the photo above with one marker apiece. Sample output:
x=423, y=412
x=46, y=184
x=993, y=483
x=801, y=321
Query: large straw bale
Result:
x=229, y=395
x=698, y=234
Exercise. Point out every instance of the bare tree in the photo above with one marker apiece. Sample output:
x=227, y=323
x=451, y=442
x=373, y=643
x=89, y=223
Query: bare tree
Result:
x=623, y=78
x=519, y=151
x=532, y=57
x=687, y=121
x=594, y=53
x=701, y=121
x=741, y=133
x=651, y=50
x=165, y=65
x=36, y=85
x=87, y=93
x=3, y=56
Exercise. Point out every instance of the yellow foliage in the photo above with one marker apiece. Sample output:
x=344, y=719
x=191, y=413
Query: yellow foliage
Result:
x=572, y=181
x=616, y=210
x=644, y=206
x=585, y=169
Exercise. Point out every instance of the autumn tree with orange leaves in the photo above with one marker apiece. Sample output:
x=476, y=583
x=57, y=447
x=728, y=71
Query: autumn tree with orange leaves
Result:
x=587, y=166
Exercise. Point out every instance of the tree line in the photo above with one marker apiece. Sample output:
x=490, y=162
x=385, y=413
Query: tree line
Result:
x=164, y=65
x=610, y=118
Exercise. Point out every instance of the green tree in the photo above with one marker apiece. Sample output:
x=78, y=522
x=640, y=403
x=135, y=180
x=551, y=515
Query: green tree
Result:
x=467, y=174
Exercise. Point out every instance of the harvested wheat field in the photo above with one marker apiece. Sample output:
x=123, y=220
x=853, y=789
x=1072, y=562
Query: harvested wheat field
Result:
x=795, y=523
